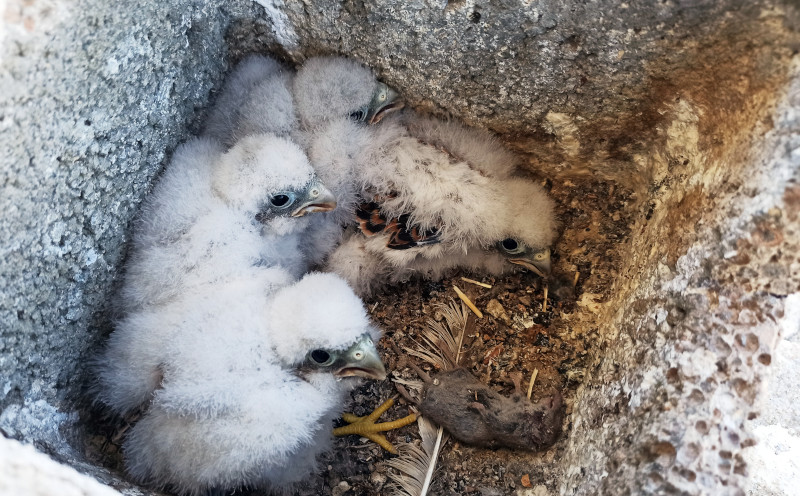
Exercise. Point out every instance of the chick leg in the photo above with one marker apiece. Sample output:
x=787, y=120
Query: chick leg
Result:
x=366, y=426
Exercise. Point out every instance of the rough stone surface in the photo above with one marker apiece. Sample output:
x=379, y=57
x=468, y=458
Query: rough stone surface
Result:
x=691, y=105
x=700, y=323
x=94, y=96
x=775, y=460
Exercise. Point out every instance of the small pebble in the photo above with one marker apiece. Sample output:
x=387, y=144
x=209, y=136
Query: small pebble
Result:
x=496, y=310
x=341, y=488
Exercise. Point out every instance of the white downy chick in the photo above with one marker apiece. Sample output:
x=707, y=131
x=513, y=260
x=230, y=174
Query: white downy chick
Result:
x=337, y=100
x=249, y=380
x=440, y=196
x=324, y=108
x=214, y=215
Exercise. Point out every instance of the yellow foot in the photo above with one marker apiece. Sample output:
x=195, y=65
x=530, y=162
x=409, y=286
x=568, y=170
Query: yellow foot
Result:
x=366, y=426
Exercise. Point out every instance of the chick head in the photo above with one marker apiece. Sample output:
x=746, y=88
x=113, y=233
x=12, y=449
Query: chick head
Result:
x=328, y=88
x=271, y=179
x=529, y=226
x=324, y=326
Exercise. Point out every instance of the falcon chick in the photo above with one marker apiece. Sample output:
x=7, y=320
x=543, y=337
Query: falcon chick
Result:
x=337, y=101
x=215, y=214
x=246, y=381
x=438, y=195
x=324, y=108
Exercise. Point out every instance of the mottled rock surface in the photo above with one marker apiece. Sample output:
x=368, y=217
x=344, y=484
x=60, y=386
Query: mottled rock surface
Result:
x=95, y=95
x=690, y=106
x=697, y=311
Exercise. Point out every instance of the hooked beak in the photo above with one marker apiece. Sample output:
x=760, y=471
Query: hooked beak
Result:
x=318, y=199
x=362, y=360
x=537, y=262
x=385, y=100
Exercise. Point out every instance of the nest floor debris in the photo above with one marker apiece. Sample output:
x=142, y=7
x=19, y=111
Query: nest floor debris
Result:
x=515, y=335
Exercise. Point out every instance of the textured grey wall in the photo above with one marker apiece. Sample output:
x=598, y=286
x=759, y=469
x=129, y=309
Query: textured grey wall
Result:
x=691, y=104
x=94, y=96
x=699, y=308
x=593, y=75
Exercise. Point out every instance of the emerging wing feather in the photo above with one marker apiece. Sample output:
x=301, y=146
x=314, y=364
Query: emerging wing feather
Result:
x=402, y=235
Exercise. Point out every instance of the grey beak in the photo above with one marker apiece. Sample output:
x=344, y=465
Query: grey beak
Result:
x=362, y=360
x=384, y=101
x=318, y=199
x=537, y=262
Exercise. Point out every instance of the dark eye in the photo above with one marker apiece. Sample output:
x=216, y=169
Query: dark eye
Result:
x=279, y=200
x=511, y=246
x=320, y=357
x=357, y=116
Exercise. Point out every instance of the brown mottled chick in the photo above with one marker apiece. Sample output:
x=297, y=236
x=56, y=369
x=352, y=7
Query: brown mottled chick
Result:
x=476, y=415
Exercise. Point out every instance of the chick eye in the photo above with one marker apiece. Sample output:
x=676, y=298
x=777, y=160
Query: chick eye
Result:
x=281, y=200
x=511, y=246
x=320, y=357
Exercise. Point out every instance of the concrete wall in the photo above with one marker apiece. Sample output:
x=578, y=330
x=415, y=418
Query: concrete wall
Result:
x=94, y=97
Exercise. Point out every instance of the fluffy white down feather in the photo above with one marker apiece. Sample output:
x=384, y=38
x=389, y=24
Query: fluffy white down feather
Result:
x=198, y=226
x=256, y=99
x=326, y=91
x=131, y=366
x=331, y=88
x=221, y=363
x=447, y=177
x=213, y=329
x=480, y=148
x=313, y=107
x=439, y=188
